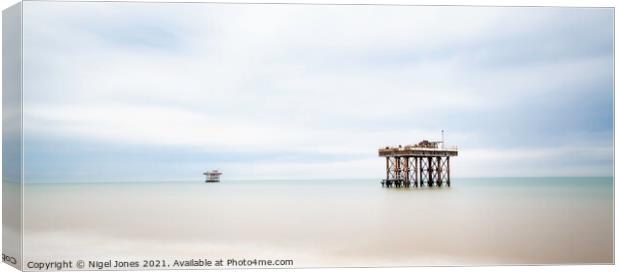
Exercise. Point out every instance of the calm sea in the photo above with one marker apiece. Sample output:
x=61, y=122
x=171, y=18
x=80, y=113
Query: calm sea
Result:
x=326, y=222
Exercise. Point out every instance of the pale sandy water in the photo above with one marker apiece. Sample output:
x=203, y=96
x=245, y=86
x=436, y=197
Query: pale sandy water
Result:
x=326, y=223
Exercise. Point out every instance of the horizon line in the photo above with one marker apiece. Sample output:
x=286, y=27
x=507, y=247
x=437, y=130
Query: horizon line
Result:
x=291, y=179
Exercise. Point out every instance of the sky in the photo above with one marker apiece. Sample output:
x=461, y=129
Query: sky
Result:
x=163, y=92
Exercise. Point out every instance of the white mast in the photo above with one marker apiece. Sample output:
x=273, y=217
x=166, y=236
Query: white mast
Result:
x=443, y=143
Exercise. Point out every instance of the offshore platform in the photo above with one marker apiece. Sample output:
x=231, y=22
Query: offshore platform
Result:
x=212, y=176
x=426, y=163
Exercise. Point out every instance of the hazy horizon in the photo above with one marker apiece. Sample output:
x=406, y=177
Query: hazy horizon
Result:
x=367, y=179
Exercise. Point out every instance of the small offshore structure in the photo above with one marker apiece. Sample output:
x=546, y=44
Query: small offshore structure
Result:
x=212, y=176
x=425, y=163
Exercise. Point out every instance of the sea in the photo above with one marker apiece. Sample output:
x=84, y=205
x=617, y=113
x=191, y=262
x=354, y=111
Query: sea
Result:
x=325, y=223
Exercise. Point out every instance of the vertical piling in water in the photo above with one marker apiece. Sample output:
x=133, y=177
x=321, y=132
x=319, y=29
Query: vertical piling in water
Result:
x=424, y=164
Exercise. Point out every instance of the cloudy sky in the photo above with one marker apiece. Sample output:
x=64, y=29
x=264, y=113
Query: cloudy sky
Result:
x=155, y=91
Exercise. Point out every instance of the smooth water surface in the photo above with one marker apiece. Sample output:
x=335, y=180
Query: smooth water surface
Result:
x=327, y=223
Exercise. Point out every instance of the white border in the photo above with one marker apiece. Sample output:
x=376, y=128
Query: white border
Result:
x=577, y=3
